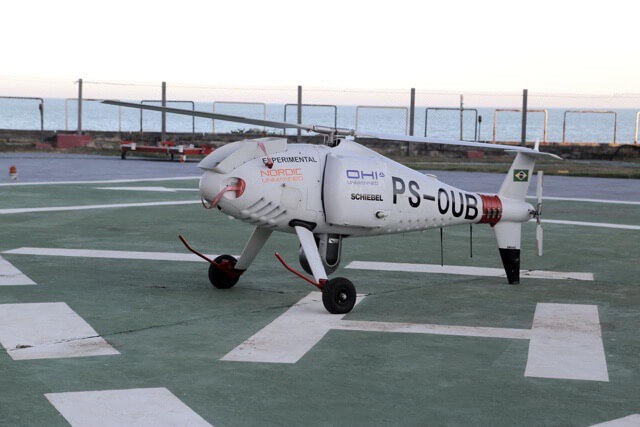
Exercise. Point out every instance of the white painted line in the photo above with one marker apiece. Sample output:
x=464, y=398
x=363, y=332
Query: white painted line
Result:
x=576, y=199
x=104, y=181
x=414, y=328
x=93, y=253
x=83, y=207
x=464, y=270
x=47, y=331
x=10, y=276
x=133, y=407
x=156, y=189
x=592, y=224
x=629, y=421
x=566, y=342
x=290, y=336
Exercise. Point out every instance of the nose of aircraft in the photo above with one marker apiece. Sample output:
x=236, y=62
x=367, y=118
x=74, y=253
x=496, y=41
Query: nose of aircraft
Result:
x=210, y=185
x=215, y=187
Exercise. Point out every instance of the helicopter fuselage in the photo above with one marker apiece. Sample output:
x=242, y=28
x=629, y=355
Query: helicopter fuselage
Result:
x=347, y=190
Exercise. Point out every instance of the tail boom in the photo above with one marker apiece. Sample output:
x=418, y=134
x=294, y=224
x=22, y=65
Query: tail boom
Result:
x=506, y=212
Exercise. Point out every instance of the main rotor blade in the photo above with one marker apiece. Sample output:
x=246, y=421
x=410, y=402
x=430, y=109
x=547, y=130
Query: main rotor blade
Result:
x=329, y=130
x=426, y=140
x=216, y=116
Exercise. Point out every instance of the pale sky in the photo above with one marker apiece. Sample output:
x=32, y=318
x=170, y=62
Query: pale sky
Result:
x=483, y=46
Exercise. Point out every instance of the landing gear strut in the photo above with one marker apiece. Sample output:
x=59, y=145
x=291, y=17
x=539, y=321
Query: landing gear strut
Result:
x=338, y=294
x=225, y=270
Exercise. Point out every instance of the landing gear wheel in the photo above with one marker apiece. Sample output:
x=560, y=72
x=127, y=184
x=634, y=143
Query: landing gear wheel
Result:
x=339, y=295
x=221, y=272
x=123, y=155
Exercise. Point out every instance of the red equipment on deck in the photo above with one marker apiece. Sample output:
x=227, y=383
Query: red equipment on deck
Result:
x=66, y=140
x=167, y=147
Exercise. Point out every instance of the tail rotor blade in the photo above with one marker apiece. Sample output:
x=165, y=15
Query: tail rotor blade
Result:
x=539, y=196
x=539, y=186
x=539, y=211
x=539, y=238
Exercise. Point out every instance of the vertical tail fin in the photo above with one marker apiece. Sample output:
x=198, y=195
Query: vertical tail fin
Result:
x=513, y=189
x=516, y=183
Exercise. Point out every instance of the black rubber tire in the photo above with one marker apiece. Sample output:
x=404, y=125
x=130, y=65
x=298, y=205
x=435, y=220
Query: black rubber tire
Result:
x=218, y=277
x=339, y=295
x=123, y=155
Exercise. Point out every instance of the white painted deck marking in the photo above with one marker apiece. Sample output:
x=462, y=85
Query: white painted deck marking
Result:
x=629, y=421
x=93, y=253
x=9, y=275
x=426, y=328
x=156, y=189
x=133, y=407
x=464, y=270
x=592, y=224
x=48, y=331
x=577, y=199
x=565, y=339
x=109, y=206
x=290, y=336
x=566, y=342
x=103, y=181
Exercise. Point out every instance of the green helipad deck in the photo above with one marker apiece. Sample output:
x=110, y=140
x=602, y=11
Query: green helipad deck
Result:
x=104, y=315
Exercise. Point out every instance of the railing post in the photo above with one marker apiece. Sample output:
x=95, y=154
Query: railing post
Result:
x=525, y=95
x=461, y=115
x=79, y=131
x=164, y=115
x=412, y=116
x=41, y=108
x=299, y=134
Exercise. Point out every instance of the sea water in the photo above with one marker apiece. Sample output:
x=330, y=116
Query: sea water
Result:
x=61, y=115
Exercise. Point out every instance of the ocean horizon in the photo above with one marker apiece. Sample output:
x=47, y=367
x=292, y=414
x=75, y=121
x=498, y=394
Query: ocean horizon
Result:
x=61, y=115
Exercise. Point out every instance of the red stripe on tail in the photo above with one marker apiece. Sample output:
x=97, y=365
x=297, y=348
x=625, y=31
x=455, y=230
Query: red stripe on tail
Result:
x=491, y=210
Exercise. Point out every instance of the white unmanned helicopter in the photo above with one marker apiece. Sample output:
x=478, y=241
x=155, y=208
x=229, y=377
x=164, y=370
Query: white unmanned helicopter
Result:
x=325, y=193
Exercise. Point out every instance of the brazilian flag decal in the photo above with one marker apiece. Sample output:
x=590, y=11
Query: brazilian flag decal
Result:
x=520, y=175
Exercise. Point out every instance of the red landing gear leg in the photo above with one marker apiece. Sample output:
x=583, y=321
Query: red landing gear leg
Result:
x=222, y=271
x=225, y=270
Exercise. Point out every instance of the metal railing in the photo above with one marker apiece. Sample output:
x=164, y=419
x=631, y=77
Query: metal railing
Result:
x=40, y=109
x=384, y=107
x=171, y=101
x=386, y=114
x=264, y=110
x=66, y=111
x=615, y=121
x=335, y=112
x=519, y=110
x=475, y=121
